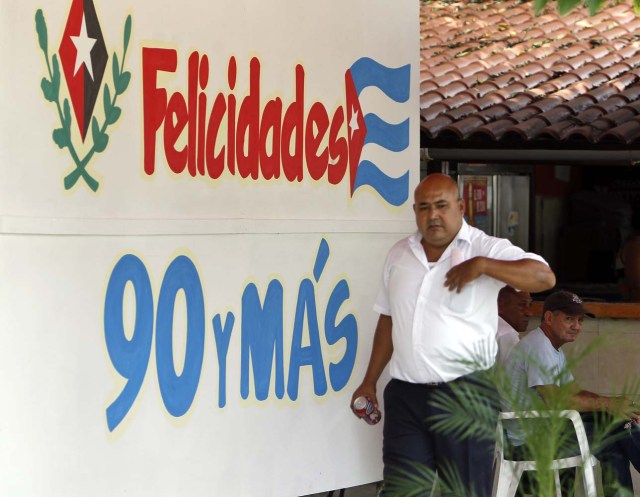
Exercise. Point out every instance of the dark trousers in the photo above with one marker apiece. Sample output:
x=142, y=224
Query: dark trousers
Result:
x=413, y=450
x=614, y=455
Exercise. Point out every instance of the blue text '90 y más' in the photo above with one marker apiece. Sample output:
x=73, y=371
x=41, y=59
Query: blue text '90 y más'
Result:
x=261, y=336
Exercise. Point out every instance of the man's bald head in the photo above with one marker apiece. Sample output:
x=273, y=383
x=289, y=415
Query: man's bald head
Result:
x=437, y=181
x=439, y=212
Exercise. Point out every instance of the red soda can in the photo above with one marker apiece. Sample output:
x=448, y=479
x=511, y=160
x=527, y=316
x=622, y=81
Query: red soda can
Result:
x=365, y=409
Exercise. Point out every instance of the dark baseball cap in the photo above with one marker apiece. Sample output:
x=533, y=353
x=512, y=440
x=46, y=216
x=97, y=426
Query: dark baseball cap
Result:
x=567, y=302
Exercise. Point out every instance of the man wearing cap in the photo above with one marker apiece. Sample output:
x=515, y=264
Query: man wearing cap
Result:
x=537, y=363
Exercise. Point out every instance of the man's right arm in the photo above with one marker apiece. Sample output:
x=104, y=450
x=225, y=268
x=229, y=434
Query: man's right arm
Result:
x=380, y=356
x=585, y=401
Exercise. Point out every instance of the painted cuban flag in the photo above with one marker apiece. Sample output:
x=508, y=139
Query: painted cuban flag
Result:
x=370, y=128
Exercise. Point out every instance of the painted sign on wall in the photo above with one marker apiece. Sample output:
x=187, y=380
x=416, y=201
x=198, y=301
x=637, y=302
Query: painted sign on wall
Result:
x=194, y=208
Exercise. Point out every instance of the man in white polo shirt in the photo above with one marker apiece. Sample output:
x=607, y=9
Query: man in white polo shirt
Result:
x=438, y=315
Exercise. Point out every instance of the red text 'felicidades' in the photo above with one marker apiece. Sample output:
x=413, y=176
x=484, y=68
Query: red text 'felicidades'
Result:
x=261, y=141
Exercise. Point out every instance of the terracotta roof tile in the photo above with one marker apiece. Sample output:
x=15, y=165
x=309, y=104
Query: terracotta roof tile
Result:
x=586, y=133
x=476, y=79
x=602, y=92
x=524, y=114
x=522, y=59
x=493, y=113
x=624, y=80
x=586, y=70
x=526, y=130
x=562, y=67
x=495, y=130
x=461, y=112
x=443, y=81
x=589, y=32
x=485, y=87
x=609, y=60
x=509, y=91
x=612, y=34
x=572, y=91
x=518, y=102
x=506, y=79
x=452, y=89
x=469, y=69
x=615, y=70
x=620, y=116
x=440, y=69
x=625, y=133
x=430, y=112
x=497, y=70
x=612, y=103
x=599, y=51
x=546, y=104
x=632, y=94
x=427, y=86
x=535, y=32
x=492, y=98
x=557, y=131
x=460, y=100
x=556, y=115
x=633, y=60
x=581, y=60
x=519, y=19
x=429, y=100
x=463, y=128
x=436, y=125
x=580, y=103
x=633, y=24
x=565, y=80
x=590, y=115
x=573, y=50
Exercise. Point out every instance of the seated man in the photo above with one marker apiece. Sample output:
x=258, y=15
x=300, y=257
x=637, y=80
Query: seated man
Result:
x=514, y=311
x=537, y=363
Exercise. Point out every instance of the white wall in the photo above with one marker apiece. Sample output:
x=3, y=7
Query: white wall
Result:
x=130, y=276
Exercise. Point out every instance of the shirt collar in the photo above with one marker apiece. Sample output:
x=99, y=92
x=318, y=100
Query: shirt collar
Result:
x=462, y=237
x=464, y=234
x=504, y=327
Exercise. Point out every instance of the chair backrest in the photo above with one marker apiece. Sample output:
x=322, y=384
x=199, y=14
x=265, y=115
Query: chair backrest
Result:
x=585, y=460
x=572, y=415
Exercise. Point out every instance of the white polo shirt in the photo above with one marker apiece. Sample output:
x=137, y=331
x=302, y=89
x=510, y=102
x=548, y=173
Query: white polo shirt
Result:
x=533, y=362
x=435, y=330
x=508, y=338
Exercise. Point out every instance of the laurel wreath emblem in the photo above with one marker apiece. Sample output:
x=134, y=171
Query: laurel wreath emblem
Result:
x=51, y=90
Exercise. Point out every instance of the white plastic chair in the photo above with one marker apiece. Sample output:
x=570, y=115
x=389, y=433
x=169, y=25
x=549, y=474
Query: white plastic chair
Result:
x=507, y=473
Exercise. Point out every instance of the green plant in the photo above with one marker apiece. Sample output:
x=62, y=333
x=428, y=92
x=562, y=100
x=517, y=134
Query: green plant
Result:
x=471, y=412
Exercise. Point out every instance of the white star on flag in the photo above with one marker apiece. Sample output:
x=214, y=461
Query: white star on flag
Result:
x=353, y=123
x=83, y=44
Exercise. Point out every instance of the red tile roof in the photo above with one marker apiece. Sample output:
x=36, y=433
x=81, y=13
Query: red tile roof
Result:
x=493, y=74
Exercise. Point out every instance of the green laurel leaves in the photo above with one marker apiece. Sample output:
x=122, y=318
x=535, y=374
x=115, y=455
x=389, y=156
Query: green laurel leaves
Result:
x=61, y=136
x=100, y=138
x=112, y=112
x=51, y=90
x=41, y=29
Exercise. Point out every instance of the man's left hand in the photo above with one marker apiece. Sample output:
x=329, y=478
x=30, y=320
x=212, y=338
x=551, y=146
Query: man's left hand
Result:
x=465, y=272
